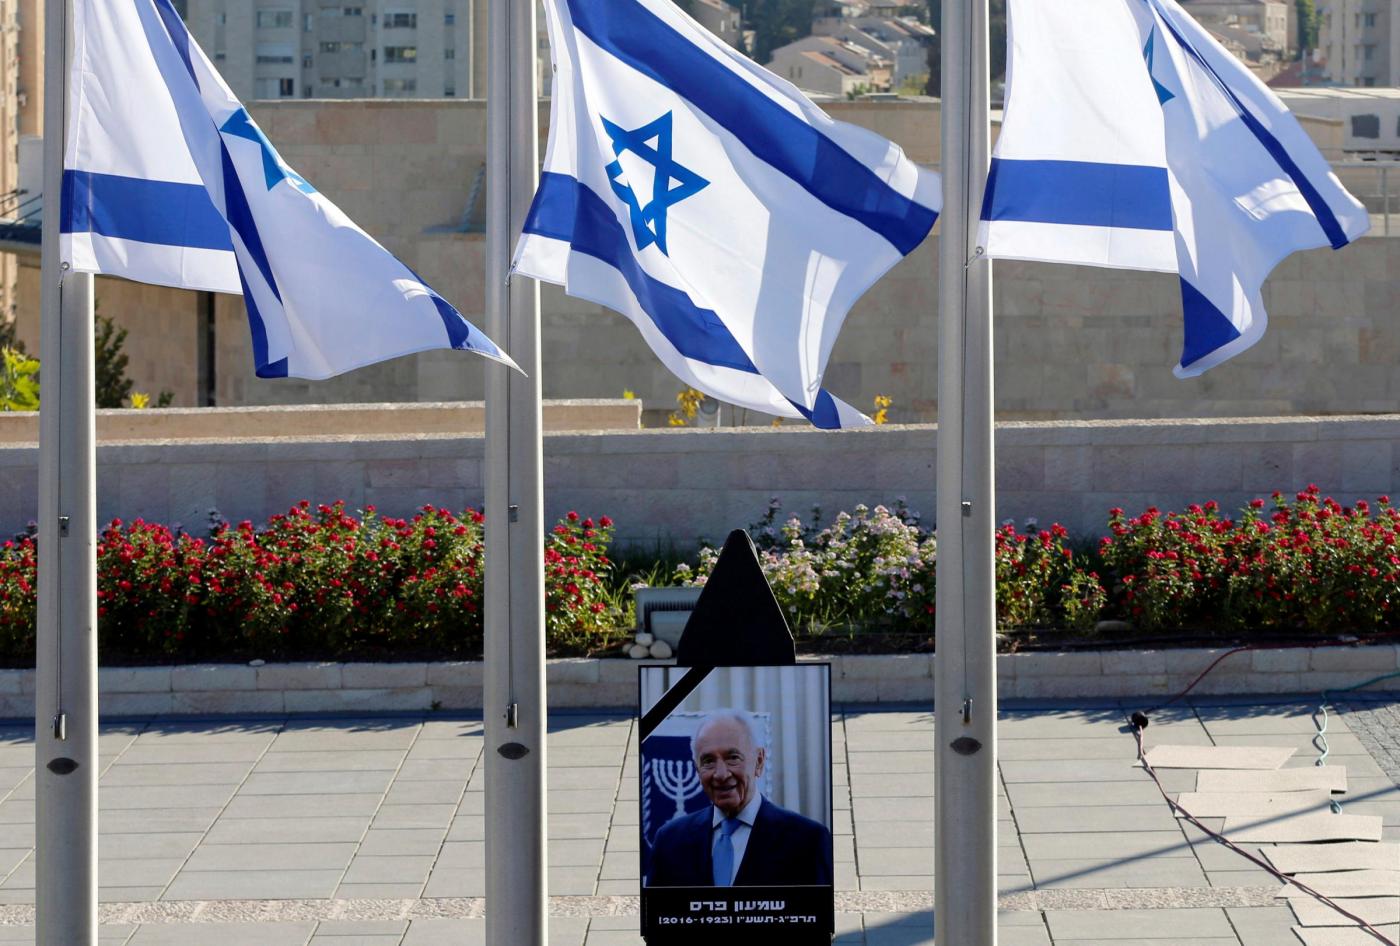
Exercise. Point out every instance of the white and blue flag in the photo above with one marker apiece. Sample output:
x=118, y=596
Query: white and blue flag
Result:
x=1132, y=139
x=168, y=180
x=713, y=204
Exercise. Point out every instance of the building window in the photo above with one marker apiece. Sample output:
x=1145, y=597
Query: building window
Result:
x=275, y=54
x=449, y=53
x=400, y=86
x=449, y=91
x=306, y=60
x=1365, y=126
x=400, y=21
x=276, y=88
x=352, y=11
x=449, y=18
x=274, y=19
x=1370, y=19
x=1368, y=52
x=407, y=54
x=340, y=46
x=306, y=91
x=306, y=23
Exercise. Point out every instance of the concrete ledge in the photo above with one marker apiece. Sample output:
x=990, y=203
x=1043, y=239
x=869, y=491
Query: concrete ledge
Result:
x=166, y=424
x=578, y=683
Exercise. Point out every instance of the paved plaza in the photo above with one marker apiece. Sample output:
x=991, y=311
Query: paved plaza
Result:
x=368, y=832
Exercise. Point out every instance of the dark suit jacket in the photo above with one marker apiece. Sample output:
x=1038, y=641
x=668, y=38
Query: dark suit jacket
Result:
x=784, y=849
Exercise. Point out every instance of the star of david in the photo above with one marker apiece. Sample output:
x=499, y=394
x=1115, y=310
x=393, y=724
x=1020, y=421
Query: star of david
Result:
x=1149, y=53
x=671, y=185
x=241, y=125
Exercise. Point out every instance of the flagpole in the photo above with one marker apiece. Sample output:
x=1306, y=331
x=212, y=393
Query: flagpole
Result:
x=965, y=867
x=66, y=659
x=513, y=699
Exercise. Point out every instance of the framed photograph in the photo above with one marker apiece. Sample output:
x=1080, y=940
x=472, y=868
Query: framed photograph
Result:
x=736, y=803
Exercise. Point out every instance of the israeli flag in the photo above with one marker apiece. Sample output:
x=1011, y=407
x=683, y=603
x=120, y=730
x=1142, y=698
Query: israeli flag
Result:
x=1132, y=139
x=713, y=204
x=168, y=180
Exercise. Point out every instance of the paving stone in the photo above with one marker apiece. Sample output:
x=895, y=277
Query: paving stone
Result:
x=336, y=761
x=1082, y=873
x=1085, y=793
x=231, y=830
x=1121, y=925
x=302, y=806
x=402, y=841
x=223, y=934
x=253, y=885
x=1104, y=818
x=189, y=773
x=164, y=797
x=316, y=783
x=389, y=868
x=291, y=856
x=1107, y=845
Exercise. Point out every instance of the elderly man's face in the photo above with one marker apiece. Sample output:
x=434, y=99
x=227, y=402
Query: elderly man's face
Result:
x=729, y=764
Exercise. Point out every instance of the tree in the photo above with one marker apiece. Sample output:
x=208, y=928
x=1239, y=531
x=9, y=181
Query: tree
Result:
x=778, y=22
x=19, y=381
x=1308, y=24
x=109, y=363
x=996, y=27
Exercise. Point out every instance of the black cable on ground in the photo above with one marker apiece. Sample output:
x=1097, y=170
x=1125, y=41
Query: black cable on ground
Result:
x=1139, y=723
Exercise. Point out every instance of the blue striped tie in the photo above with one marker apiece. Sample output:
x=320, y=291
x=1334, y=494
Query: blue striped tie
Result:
x=724, y=852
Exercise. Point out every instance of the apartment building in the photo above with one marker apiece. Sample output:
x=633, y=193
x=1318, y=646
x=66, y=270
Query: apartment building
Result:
x=1273, y=21
x=719, y=18
x=282, y=49
x=1360, y=40
x=831, y=65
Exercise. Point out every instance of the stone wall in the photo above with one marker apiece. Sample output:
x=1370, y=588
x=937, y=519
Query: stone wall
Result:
x=1071, y=342
x=212, y=689
x=665, y=486
x=324, y=420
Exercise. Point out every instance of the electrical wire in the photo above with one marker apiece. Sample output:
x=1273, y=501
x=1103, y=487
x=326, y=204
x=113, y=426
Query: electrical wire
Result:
x=1258, y=861
x=1320, y=718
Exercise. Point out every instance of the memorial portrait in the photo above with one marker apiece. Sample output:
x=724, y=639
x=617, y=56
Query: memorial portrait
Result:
x=736, y=779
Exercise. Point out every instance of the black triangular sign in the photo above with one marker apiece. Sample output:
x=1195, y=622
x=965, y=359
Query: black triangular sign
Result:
x=737, y=622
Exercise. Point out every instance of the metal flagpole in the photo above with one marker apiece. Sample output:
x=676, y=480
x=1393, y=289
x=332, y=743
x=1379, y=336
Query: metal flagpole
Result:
x=514, y=698
x=965, y=868
x=66, y=698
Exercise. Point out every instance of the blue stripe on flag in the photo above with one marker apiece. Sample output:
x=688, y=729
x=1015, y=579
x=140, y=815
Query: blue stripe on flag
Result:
x=1081, y=193
x=458, y=332
x=132, y=208
x=258, y=330
x=627, y=30
x=824, y=413
x=1319, y=206
x=179, y=35
x=566, y=210
x=240, y=218
x=1206, y=328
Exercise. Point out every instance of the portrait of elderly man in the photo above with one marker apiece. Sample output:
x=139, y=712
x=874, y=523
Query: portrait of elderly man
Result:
x=741, y=839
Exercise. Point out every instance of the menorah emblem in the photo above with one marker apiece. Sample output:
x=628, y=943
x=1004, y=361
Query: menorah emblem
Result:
x=677, y=780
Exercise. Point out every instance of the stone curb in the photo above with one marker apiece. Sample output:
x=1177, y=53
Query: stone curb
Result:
x=583, y=684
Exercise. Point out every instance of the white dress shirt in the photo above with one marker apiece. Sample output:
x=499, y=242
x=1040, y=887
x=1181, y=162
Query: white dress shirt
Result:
x=740, y=838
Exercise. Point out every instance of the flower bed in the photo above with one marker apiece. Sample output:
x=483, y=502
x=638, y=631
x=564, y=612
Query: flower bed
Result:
x=312, y=583
x=1306, y=565
x=321, y=583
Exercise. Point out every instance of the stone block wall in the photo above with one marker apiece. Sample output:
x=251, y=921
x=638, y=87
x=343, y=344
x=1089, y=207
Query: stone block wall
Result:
x=1071, y=342
x=664, y=486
